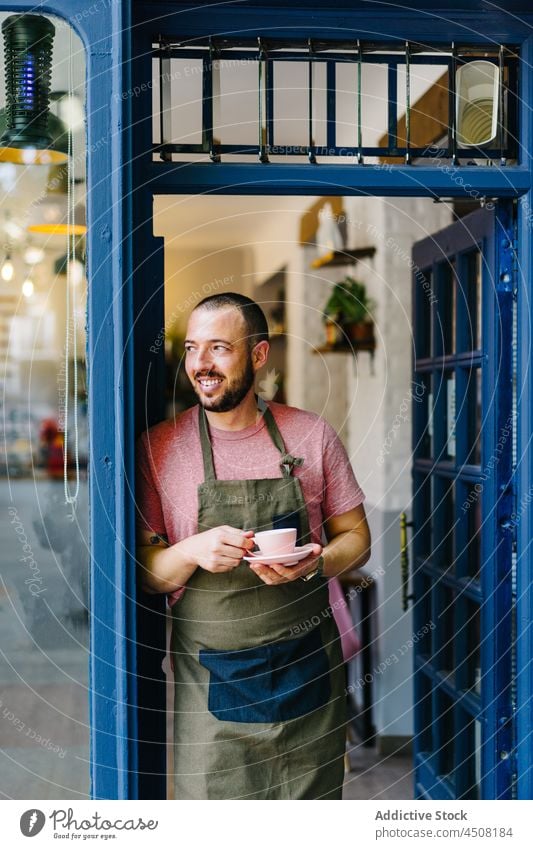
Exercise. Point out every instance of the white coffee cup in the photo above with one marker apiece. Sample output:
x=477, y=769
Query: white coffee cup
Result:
x=277, y=541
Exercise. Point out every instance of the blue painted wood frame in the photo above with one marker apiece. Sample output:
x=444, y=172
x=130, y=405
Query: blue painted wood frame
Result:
x=524, y=487
x=104, y=30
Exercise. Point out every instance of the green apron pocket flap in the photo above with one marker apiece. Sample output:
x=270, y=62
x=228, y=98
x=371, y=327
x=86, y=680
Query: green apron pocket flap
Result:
x=270, y=683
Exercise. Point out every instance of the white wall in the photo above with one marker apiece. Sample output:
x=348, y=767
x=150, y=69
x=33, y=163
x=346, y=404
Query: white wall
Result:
x=379, y=408
x=193, y=275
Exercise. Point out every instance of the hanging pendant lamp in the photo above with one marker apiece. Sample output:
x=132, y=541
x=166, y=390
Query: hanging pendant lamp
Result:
x=27, y=140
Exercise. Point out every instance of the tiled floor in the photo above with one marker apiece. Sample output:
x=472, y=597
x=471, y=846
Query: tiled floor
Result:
x=374, y=776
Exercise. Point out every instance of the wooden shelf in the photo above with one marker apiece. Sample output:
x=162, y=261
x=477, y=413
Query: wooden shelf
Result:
x=345, y=348
x=347, y=257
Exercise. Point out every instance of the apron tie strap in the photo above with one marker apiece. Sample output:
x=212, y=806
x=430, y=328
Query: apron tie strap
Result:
x=288, y=462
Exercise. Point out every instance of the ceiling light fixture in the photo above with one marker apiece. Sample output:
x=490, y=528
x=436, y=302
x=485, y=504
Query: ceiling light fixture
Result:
x=8, y=269
x=51, y=216
x=33, y=255
x=28, y=287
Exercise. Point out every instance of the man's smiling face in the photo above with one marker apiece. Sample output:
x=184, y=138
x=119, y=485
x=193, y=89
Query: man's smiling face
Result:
x=218, y=360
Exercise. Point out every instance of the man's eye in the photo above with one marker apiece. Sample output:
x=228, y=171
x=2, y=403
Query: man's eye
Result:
x=220, y=348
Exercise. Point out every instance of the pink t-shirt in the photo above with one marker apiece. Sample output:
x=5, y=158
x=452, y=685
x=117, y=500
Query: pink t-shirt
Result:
x=170, y=468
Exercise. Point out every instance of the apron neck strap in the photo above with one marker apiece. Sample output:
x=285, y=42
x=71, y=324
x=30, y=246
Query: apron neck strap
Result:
x=287, y=461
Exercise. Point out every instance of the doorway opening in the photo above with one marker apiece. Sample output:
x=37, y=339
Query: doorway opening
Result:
x=288, y=254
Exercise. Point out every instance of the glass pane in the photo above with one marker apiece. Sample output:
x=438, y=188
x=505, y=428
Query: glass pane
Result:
x=422, y=412
x=445, y=630
x=426, y=625
x=473, y=300
x=423, y=695
x=423, y=313
x=466, y=753
x=473, y=638
x=444, y=523
x=238, y=105
x=445, y=736
x=474, y=429
x=473, y=515
x=445, y=331
x=451, y=417
x=44, y=723
x=422, y=533
x=291, y=105
x=478, y=737
x=183, y=122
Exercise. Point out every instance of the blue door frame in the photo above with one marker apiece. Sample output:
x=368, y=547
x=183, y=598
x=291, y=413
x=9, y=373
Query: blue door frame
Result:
x=125, y=273
x=464, y=287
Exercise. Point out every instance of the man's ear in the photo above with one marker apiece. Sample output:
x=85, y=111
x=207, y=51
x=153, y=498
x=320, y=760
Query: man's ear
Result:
x=260, y=354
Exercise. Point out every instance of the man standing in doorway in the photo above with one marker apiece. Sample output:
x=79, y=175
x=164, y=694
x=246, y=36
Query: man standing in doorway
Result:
x=259, y=677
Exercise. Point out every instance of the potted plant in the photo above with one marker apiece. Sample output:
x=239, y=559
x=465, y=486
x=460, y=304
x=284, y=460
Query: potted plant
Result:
x=348, y=313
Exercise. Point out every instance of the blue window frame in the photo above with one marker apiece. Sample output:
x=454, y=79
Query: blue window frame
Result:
x=125, y=273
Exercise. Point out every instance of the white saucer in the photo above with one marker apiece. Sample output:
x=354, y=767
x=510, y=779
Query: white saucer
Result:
x=300, y=551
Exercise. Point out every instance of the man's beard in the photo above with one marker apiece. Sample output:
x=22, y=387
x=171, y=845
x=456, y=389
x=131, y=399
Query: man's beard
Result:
x=233, y=395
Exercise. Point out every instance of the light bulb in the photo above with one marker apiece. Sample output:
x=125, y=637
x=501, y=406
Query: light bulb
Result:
x=8, y=269
x=33, y=255
x=77, y=271
x=27, y=288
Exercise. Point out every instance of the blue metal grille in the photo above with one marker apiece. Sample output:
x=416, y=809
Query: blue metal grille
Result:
x=211, y=54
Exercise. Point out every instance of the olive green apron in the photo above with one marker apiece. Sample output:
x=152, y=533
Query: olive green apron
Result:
x=259, y=680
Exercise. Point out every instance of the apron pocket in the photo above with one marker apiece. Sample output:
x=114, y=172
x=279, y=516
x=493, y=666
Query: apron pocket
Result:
x=271, y=683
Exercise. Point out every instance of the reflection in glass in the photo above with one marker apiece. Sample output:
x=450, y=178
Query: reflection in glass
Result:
x=445, y=660
x=473, y=436
x=423, y=330
x=451, y=416
x=445, y=721
x=422, y=492
x=422, y=410
x=444, y=523
x=473, y=639
x=473, y=301
x=473, y=516
x=445, y=331
x=45, y=552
